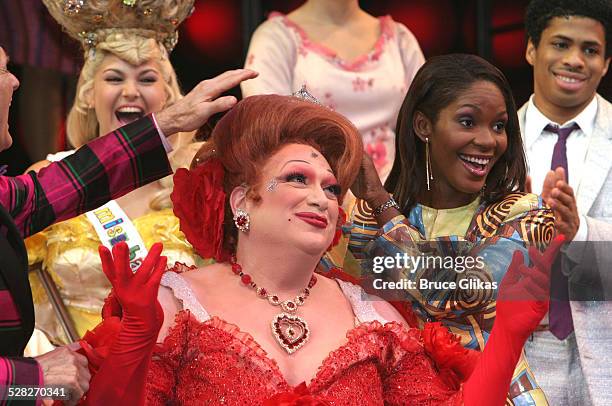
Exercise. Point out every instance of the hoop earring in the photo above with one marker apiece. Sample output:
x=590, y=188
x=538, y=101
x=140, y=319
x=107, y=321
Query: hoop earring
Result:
x=428, y=171
x=242, y=220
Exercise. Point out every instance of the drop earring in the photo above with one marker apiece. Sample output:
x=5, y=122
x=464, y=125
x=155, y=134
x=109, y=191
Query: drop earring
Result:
x=428, y=172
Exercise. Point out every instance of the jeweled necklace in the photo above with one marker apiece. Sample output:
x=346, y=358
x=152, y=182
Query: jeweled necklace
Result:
x=290, y=331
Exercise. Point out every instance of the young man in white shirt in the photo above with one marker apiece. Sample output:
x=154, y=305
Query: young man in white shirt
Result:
x=567, y=127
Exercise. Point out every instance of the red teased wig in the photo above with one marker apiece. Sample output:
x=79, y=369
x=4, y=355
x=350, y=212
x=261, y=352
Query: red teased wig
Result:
x=258, y=126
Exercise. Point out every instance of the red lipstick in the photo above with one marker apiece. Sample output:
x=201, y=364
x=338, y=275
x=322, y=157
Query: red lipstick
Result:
x=313, y=219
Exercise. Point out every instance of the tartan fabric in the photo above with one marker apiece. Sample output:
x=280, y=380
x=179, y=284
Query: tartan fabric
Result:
x=104, y=169
x=18, y=371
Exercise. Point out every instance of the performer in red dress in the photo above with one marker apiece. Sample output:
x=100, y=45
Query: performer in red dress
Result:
x=259, y=326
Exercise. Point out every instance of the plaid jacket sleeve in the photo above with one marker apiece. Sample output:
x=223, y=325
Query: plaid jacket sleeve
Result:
x=18, y=371
x=101, y=170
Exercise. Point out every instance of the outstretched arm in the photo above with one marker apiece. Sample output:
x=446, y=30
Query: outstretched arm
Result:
x=111, y=166
x=522, y=302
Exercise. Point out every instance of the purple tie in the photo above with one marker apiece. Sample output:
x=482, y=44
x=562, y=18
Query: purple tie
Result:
x=560, y=314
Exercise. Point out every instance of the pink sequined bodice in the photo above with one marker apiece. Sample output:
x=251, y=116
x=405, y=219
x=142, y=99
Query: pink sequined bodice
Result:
x=205, y=360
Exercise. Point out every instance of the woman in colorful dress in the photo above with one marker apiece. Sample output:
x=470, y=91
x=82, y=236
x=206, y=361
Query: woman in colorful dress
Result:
x=453, y=191
x=354, y=63
x=126, y=75
x=256, y=327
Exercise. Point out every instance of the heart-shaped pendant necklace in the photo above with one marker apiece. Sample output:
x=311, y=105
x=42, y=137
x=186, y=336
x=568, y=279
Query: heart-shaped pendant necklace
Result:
x=290, y=331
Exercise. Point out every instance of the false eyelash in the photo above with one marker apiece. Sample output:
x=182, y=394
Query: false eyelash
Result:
x=335, y=189
x=289, y=177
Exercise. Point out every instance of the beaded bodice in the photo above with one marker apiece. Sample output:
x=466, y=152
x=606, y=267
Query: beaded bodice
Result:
x=205, y=360
x=363, y=309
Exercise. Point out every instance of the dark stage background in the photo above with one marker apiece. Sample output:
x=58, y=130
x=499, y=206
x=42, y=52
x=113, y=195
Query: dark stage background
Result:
x=215, y=38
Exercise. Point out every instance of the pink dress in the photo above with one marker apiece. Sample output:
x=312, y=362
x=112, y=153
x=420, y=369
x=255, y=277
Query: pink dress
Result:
x=368, y=91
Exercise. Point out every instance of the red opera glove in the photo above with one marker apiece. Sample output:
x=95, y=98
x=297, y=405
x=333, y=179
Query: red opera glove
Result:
x=521, y=304
x=136, y=292
x=142, y=317
x=111, y=307
x=524, y=292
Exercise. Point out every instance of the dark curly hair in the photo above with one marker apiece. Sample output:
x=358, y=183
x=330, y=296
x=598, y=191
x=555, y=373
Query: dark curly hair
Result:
x=540, y=12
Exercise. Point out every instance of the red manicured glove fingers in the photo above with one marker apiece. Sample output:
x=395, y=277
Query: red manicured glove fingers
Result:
x=142, y=317
x=134, y=291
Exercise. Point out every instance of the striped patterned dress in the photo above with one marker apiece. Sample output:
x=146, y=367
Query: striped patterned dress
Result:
x=489, y=231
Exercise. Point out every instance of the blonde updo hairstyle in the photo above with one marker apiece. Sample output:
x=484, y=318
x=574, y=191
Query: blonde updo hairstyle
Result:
x=82, y=125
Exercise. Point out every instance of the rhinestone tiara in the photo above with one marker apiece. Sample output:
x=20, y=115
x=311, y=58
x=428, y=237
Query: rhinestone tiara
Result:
x=305, y=95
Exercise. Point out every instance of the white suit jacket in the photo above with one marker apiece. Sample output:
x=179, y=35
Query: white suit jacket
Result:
x=589, y=265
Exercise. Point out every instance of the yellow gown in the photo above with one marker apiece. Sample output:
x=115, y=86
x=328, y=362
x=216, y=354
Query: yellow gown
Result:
x=68, y=251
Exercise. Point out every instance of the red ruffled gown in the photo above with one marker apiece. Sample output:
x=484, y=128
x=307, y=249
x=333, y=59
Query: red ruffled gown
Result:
x=205, y=360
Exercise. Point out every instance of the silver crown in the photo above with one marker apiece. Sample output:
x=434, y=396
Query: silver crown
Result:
x=304, y=95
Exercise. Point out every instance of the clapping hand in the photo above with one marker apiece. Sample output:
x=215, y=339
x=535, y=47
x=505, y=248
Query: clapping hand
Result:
x=559, y=195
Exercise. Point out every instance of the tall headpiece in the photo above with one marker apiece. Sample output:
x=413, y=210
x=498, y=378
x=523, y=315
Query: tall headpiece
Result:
x=91, y=21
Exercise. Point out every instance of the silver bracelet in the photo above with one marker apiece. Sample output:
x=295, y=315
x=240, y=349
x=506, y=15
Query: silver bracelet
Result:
x=386, y=205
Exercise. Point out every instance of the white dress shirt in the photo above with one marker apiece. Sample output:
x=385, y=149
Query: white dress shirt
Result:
x=539, y=146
